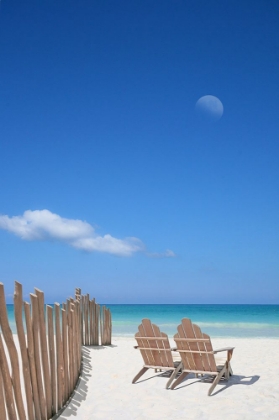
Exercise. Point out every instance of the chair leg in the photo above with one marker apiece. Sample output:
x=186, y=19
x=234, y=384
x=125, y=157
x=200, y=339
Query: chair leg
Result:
x=141, y=372
x=227, y=372
x=173, y=375
x=179, y=380
x=216, y=380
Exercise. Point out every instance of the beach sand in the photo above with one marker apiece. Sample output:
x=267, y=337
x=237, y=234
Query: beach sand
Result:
x=105, y=390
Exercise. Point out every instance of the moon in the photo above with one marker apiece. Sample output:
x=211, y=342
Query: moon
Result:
x=209, y=107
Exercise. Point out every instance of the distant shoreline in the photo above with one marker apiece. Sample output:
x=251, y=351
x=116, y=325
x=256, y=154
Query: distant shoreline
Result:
x=239, y=321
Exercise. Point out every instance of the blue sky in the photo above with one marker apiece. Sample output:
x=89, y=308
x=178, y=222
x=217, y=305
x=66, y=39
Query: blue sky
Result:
x=110, y=180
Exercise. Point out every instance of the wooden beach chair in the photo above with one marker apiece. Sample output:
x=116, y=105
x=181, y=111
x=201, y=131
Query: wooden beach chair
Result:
x=197, y=354
x=155, y=350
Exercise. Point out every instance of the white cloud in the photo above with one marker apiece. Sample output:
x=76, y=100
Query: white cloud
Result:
x=43, y=225
x=108, y=243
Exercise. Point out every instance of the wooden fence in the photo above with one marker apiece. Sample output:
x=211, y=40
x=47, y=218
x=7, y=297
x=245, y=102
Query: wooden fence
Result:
x=40, y=367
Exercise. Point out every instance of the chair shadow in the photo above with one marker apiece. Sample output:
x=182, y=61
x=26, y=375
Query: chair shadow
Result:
x=237, y=380
x=233, y=380
x=164, y=374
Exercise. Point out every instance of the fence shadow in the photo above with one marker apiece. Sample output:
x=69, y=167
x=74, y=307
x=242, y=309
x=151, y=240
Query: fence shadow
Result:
x=101, y=347
x=80, y=392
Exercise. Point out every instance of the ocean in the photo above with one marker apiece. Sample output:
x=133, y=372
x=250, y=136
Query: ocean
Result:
x=249, y=321
x=215, y=320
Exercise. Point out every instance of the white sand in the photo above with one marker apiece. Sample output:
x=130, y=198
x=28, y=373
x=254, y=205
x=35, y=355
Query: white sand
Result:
x=105, y=390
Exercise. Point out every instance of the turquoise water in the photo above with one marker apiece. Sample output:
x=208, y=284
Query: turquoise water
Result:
x=215, y=320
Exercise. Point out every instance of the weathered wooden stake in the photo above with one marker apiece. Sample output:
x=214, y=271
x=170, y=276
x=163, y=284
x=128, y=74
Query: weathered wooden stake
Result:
x=7, y=382
x=35, y=323
x=44, y=352
x=8, y=337
x=59, y=358
x=31, y=357
x=18, y=305
x=2, y=399
x=52, y=361
x=65, y=355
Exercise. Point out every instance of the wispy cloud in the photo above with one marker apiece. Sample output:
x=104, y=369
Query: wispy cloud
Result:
x=167, y=254
x=43, y=225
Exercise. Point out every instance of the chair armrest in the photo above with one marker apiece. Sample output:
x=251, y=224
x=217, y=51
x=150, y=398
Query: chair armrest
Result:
x=229, y=351
x=135, y=347
x=223, y=349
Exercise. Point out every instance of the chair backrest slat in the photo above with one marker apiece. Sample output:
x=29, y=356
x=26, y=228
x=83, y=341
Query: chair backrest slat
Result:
x=146, y=354
x=152, y=343
x=150, y=336
x=190, y=333
x=201, y=346
x=165, y=355
x=211, y=358
x=141, y=343
x=200, y=357
x=187, y=358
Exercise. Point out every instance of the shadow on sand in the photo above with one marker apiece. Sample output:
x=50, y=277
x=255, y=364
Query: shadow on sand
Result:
x=234, y=380
x=80, y=392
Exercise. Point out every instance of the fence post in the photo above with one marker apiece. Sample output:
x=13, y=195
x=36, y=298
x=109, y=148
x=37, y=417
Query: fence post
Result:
x=52, y=361
x=18, y=305
x=31, y=356
x=81, y=319
x=7, y=382
x=8, y=336
x=65, y=355
x=35, y=323
x=72, y=312
x=97, y=324
x=70, y=341
x=44, y=352
x=59, y=358
x=2, y=399
x=86, y=320
x=77, y=304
